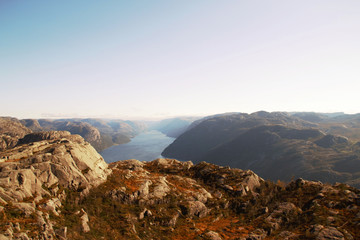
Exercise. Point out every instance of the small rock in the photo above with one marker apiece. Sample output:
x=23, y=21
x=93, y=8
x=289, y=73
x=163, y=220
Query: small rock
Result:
x=21, y=236
x=228, y=188
x=330, y=233
x=27, y=208
x=84, y=222
x=174, y=219
x=17, y=227
x=3, y=237
x=258, y=234
x=211, y=235
x=62, y=232
x=145, y=213
x=286, y=235
x=195, y=208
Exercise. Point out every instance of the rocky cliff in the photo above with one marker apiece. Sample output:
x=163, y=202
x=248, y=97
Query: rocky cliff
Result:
x=36, y=175
x=11, y=130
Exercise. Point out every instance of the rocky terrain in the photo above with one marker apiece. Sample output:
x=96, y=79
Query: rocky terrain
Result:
x=35, y=177
x=54, y=185
x=169, y=199
x=276, y=145
x=11, y=130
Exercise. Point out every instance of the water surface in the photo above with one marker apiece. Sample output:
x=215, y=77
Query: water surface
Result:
x=144, y=147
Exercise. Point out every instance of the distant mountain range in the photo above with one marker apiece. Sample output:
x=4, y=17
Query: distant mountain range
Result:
x=99, y=132
x=277, y=145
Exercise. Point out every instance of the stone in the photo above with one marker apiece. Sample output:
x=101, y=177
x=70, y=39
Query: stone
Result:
x=17, y=227
x=174, y=219
x=144, y=189
x=145, y=213
x=3, y=237
x=27, y=208
x=21, y=236
x=62, y=233
x=52, y=205
x=258, y=234
x=84, y=222
x=195, y=208
x=211, y=235
x=278, y=216
x=161, y=189
x=69, y=164
x=330, y=233
x=286, y=235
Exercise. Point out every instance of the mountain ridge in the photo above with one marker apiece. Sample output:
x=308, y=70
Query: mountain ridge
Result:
x=275, y=145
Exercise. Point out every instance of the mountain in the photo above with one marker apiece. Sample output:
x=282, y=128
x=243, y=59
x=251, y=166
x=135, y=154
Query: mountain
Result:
x=205, y=134
x=347, y=125
x=275, y=145
x=11, y=130
x=54, y=185
x=100, y=133
x=173, y=127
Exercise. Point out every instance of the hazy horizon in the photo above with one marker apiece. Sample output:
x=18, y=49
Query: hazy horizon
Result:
x=149, y=118
x=160, y=59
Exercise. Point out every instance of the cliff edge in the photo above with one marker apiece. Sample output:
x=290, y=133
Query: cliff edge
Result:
x=36, y=174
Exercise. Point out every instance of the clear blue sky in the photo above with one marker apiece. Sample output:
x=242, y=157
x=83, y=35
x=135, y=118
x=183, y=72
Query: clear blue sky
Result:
x=133, y=59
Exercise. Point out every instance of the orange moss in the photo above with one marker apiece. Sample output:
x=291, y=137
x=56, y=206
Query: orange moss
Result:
x=228, y=228
x=182, y=186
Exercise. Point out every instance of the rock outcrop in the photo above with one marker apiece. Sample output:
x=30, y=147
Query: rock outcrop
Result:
x=13, y=127
x=35, y=175
x=11, y=130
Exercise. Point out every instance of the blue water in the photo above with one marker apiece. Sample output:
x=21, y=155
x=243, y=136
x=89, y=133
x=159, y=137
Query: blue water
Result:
x=144, y=147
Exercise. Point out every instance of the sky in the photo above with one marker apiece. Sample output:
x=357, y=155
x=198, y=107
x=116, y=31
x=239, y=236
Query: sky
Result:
x=157, y=59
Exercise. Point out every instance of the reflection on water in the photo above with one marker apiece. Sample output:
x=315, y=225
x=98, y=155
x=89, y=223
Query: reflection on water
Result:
x=144, y=147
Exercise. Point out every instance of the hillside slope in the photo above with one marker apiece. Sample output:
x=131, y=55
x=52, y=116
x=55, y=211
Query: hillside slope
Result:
x=275, y=145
